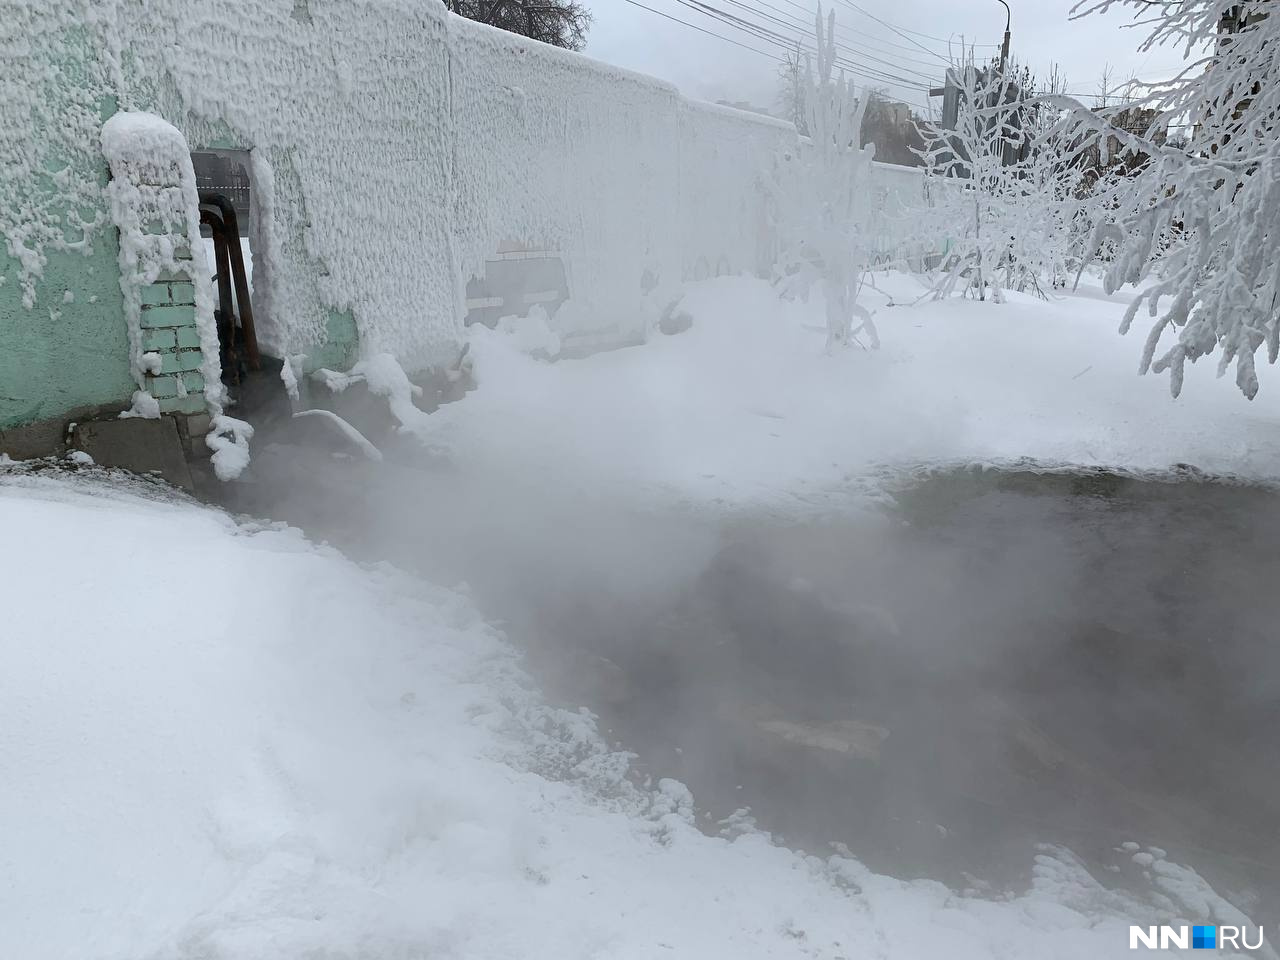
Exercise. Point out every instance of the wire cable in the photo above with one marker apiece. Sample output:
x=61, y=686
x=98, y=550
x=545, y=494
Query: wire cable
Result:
x=805, y=25
x=776, y=40
x=789, y=42
x=851, y=61
x=710, y=33
x=853, y=6
x=809, y=11
x=793, y=23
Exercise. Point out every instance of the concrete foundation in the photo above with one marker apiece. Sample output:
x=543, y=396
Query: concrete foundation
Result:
x=161, y=446
x=140, y=446
x=173, y=447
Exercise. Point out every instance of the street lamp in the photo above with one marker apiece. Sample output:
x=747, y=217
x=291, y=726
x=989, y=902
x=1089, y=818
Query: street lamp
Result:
x=1004, y=47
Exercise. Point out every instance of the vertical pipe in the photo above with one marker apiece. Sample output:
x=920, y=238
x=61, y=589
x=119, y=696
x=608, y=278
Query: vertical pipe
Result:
x=231, y=231
x=222, y=263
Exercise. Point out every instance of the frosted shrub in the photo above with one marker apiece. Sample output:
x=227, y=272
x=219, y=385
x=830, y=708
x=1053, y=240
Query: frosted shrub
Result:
x=821, y=193
x=1003, y=189
x=1199, y=225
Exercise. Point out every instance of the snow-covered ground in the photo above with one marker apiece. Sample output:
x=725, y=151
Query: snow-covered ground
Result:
x=218, y=740
x=745, y=407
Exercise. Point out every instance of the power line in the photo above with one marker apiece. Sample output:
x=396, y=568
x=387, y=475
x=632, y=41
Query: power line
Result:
x=788, y=42
x=887, y=42
x=710, y=33
x=852, y=54
x=852, y=57
x=854, y=6
x=929, y=36
x=773, y=38
x=849, y=34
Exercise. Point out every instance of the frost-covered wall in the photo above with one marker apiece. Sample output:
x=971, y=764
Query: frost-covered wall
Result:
x=63, y=343
x=557, y=152
x=345, y=107
x=724, y=155
x=900, y=196
x=394, y=148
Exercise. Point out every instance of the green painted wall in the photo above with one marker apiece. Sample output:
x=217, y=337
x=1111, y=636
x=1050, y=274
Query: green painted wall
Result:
x=70, y=348
x=61, y=355
x=341, y=347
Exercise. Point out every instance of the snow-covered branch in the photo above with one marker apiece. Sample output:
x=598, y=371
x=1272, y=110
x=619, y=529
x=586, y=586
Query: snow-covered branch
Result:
x=1004, y=193
x=1204, y=220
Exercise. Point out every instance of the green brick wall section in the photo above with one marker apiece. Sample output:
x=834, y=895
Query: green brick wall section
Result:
x=169, y=329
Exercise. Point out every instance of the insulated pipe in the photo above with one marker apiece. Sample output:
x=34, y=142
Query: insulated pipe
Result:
x=245, y=308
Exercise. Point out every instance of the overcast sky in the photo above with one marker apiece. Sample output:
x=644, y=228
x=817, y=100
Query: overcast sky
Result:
x=906, y=39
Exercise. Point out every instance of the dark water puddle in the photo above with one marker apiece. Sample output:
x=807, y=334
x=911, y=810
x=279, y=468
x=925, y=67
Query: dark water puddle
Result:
x=992, y=660
x=1001, y=659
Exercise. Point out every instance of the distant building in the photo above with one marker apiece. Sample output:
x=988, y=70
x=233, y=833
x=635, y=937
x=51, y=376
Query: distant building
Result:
x=1236, y=18
x=1109, y=154
x=1233, y=20
x=891, y=126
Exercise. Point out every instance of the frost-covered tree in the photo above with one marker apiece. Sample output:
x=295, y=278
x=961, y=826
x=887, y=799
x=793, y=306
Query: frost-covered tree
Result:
x=821, y=190
x=1003, y=188
x=1202, y=219
x=562, y=23
x=791, y=87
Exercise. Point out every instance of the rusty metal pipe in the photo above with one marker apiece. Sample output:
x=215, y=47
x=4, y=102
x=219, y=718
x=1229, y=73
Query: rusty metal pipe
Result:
x=245, y=309
x=222, y=262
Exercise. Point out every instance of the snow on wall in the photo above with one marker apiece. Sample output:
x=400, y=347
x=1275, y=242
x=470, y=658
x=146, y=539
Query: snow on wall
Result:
x=724, y=154
x=899, y=198
x=349, y=102
x=395, y=147
x=50, y=115
x=560, y=153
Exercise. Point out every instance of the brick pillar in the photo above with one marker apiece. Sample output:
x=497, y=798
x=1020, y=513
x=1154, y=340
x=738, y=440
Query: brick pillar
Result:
x=168, y=325
x=167, y=294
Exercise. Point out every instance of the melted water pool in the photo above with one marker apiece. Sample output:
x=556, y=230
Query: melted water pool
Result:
x=988, y=661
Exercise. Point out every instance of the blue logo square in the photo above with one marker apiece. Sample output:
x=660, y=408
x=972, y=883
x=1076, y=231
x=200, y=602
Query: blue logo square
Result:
x=1204, y=938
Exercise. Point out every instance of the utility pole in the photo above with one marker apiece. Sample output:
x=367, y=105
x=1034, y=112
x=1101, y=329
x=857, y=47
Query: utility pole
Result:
x=1004, y=47
x=1005, y=157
